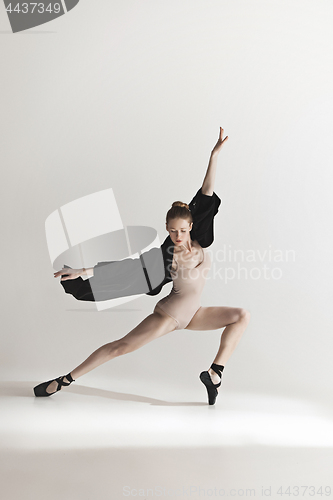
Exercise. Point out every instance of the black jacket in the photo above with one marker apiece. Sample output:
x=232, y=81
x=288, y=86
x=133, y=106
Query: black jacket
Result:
x=151, y=271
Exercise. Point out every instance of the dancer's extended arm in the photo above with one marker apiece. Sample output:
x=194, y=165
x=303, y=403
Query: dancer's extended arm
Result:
x=74, y=273
x=209, y=180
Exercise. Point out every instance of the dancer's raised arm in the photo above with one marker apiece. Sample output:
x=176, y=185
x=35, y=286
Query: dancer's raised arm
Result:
x=209, y=180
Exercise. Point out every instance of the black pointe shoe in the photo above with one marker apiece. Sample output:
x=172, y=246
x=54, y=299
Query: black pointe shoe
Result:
x=40, y=390
x=207, y=381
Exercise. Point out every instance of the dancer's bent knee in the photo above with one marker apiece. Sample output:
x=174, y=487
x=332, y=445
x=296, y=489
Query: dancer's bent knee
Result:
x=244, y=314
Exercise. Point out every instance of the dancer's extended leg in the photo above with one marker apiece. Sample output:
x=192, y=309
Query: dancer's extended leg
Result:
x=153, y=326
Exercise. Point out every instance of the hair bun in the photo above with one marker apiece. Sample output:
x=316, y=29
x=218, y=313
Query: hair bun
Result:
x=180, y=204
x=179, y=210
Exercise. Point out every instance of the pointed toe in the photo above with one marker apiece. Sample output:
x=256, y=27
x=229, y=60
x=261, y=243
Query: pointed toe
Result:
x=40, y=389
x=211, y=388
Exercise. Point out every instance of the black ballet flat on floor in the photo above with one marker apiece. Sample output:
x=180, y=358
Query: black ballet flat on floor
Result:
x=207, y=381
x=40, y=390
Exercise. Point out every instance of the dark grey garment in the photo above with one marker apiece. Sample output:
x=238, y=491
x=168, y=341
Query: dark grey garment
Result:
x=151, y=271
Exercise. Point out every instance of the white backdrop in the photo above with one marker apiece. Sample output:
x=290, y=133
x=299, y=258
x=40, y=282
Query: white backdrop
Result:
x=130, y=95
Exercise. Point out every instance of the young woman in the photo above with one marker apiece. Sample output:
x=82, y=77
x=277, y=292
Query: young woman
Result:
x=181, y=308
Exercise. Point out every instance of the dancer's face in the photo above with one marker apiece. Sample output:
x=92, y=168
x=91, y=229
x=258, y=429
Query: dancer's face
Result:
x=179, y=230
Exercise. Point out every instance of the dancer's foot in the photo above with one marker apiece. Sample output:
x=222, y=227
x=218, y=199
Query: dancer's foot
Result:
x=212, y=380
x=53, y=386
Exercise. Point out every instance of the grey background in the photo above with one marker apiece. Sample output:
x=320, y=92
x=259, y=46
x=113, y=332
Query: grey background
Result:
x=130, y=95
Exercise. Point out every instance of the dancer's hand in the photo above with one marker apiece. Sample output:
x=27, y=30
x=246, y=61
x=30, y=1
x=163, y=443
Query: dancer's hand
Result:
x=218, y=146
x=73, y=273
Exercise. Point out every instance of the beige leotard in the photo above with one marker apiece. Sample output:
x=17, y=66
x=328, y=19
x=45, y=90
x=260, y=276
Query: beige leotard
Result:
x=184, y=299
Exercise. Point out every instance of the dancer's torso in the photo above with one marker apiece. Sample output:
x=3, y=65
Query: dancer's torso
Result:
x=188, y=272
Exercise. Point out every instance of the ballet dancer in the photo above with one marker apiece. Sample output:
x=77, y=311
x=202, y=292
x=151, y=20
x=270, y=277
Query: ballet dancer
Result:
x=180, y=309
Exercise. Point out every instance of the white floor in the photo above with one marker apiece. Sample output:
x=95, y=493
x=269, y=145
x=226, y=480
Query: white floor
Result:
x=95, y=443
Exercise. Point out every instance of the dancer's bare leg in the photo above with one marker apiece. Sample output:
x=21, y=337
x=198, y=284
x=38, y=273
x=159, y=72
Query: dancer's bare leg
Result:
x=153, y=326
x=235, y=319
